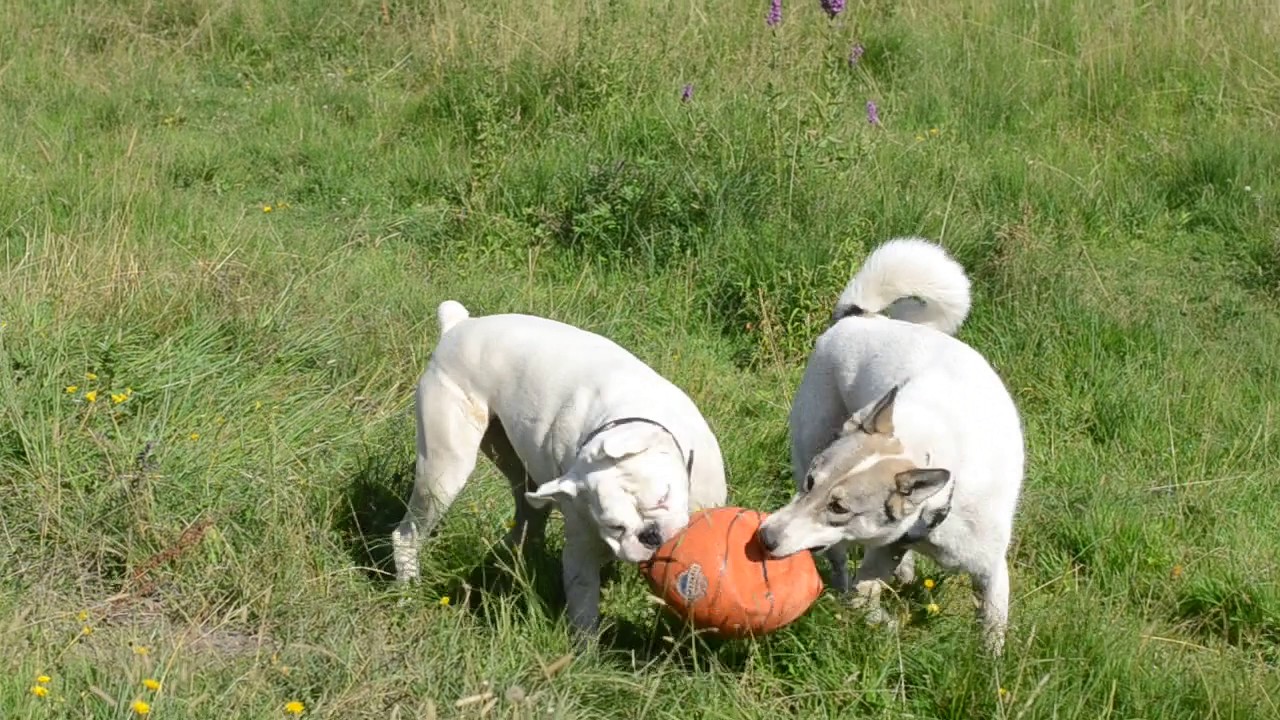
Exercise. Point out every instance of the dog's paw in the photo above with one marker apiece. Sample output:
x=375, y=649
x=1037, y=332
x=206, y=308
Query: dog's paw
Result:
x=858, y=601
x=905, y=570
x=993, y=639
x=877, y=617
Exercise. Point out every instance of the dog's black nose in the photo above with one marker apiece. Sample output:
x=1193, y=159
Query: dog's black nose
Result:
x=767, y=539
x=651, y=538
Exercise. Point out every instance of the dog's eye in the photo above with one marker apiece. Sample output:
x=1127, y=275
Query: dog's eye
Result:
x=616, y=529
x=808, y=482
x=835, y=507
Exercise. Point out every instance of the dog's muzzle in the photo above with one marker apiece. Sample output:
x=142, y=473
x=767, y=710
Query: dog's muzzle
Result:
x=650, y=537
x=768, y=538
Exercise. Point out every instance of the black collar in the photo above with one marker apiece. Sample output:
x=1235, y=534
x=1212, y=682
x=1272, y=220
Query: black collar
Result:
x=921, y=528
x=688, y=467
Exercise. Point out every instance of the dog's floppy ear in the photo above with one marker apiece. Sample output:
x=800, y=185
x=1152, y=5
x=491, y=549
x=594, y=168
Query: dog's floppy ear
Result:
x=558, y=490
x=629, y=440
x=878, y=420
x=912, y=487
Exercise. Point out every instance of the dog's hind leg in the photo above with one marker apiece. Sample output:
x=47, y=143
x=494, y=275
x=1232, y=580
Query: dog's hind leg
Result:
x=449, y=430
x=530, y=522
x=991, y=589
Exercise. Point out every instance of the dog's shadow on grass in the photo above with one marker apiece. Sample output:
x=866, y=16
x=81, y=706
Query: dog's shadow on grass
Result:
x=376, y=495
x=529, y=580
x=373, y=509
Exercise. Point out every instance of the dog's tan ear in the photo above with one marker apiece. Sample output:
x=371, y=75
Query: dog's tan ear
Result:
x=913, y=487
x=878, y=420
x=558, y=490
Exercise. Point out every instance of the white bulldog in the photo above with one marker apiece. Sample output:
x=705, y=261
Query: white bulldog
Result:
x=903, y=438
x=570, y=418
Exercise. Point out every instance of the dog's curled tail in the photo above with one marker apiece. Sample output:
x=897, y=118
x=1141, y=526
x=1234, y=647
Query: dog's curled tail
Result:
x=450, y=313
x=931, y=285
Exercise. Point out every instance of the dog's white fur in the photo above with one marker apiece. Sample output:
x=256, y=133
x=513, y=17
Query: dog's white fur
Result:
x=528, y=391
x=950, y=435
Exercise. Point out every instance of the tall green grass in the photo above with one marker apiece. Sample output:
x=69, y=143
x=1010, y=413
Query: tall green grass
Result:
x=1106, y=174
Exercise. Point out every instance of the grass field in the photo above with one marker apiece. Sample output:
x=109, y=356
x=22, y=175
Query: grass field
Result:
x=226, y=225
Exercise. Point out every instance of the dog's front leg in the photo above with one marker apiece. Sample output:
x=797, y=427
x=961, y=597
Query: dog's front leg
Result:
x=583, y=558
x=877, y=566
x=838, y=557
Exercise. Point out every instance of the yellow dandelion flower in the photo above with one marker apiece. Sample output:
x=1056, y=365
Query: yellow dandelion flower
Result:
x=141, y=707
x=44, y=679
x=86, y=630
x=195, y=436
x=118, y=398
x=151, y=684
x=933, y=131
x=294, y=707
x=1004, y=694
x=72, y=388
x=928, y=584
x=91, y=396
x=266, y=208
x=40, y=691
x=933, y=608
x=919, y=138
x=141, y=650
x=1176, y=572
x=83, y=615
x=90, y=376
x=444, y=601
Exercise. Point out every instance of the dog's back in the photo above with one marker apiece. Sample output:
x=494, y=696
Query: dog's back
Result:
x=562, y=370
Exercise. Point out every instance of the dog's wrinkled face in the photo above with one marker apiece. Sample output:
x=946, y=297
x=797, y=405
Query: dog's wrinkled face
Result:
x=633, y=485
x=862, y=488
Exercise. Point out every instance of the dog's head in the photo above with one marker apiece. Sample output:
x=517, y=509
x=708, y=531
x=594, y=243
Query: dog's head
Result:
x=862, y=488
x=632, y=483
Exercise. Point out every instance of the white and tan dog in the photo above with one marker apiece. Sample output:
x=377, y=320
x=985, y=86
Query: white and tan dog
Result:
x=904, y=438
x=570, y=418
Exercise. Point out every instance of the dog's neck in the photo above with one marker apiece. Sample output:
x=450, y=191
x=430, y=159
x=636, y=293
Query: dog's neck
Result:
x=688, y=466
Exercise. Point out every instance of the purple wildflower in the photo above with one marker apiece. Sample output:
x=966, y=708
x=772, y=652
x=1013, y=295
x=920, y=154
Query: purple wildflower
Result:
x=873, y=113
x=687, y=93
x=833, y=7
x=775, y=13
x=855, y=54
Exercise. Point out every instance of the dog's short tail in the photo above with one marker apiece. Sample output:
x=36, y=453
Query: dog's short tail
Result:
x=450, y=313
x=908, y=279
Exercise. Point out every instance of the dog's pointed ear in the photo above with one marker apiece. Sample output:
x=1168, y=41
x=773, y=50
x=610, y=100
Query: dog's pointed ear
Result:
x=629, y=440
x=878, y=420
x=558, y=490
x=920, y=483
x=912, y=487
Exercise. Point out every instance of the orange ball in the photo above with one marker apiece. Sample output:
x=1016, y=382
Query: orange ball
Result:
x=716, y=574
